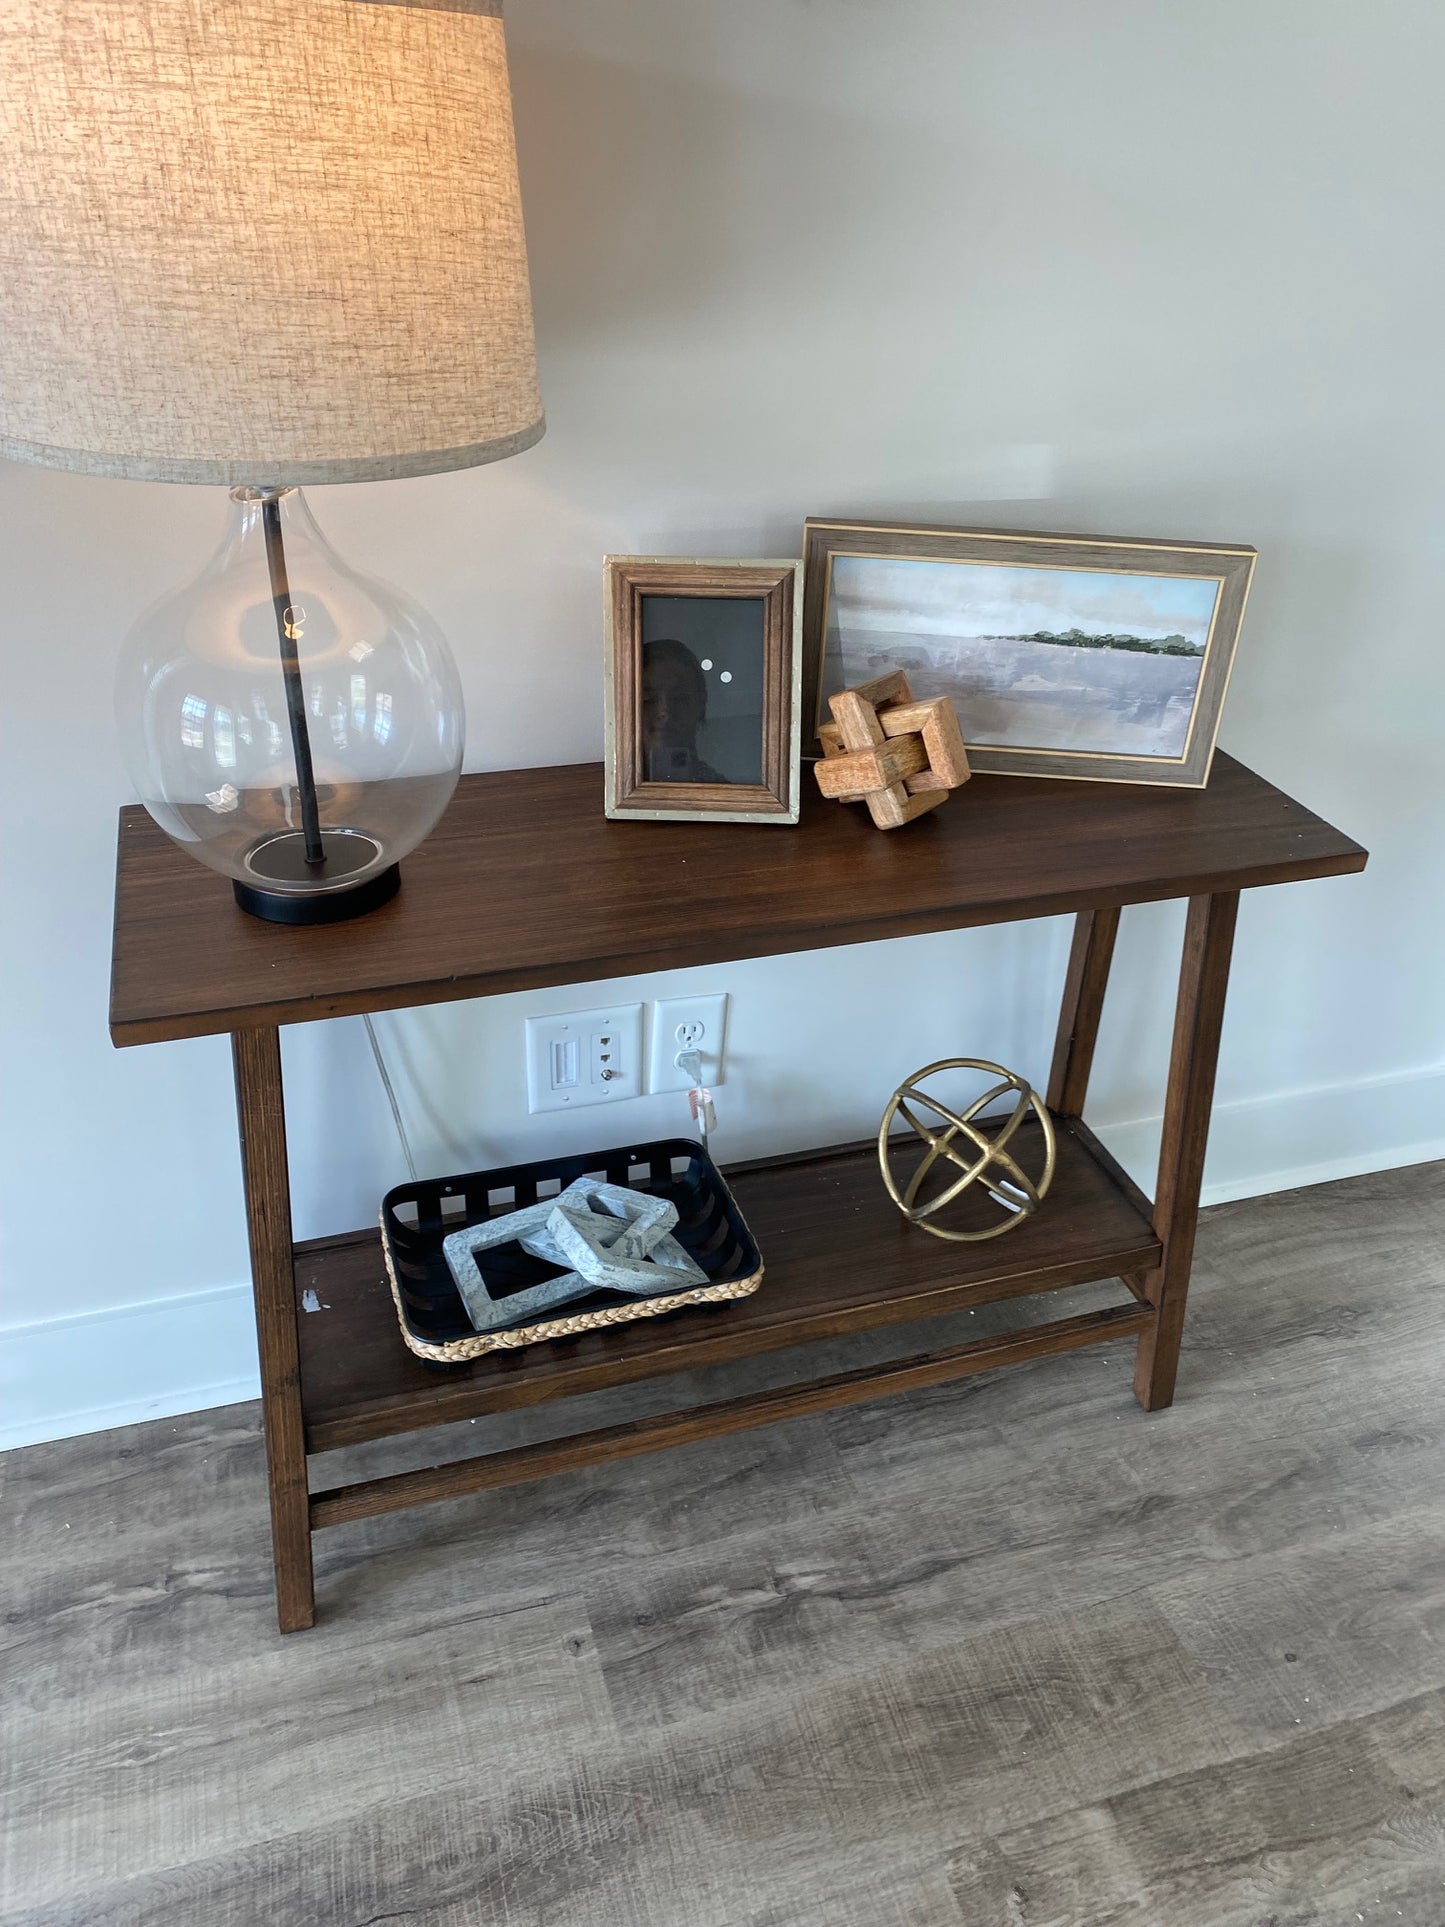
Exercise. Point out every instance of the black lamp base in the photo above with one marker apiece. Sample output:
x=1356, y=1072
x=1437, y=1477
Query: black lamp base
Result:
x=281, y=858
x=322, y=906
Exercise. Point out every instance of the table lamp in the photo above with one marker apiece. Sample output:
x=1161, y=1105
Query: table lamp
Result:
x=264, y=245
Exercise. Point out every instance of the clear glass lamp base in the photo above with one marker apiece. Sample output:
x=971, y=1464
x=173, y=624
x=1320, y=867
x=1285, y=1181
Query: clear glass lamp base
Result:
x=290, y=722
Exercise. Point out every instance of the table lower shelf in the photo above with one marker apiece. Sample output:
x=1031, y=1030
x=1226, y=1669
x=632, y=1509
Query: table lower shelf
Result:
x=839, y=1258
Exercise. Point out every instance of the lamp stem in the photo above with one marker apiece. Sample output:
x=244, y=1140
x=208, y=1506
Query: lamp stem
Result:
x=291, y=670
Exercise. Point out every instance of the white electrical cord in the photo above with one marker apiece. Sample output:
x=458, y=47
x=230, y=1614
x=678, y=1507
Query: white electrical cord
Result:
x=688, y=1061
x=699, y=1098
x=390, y=1096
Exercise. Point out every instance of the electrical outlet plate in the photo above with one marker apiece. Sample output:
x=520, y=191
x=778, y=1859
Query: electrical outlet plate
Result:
x=583, y=1057
x=682, y=1022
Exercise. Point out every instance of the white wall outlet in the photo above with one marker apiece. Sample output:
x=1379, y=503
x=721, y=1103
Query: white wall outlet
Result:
x=688, y=1023
x=584, y=1057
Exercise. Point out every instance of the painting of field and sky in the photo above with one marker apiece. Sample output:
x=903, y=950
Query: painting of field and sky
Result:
x=1072, y=660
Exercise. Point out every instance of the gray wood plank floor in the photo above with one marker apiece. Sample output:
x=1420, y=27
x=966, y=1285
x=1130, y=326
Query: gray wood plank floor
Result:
x=1002, y=1654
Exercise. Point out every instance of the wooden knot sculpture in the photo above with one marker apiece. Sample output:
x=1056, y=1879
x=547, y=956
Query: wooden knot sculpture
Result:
x=899, y=756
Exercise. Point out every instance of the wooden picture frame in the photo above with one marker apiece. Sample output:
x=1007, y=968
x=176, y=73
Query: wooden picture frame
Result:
x=1135, y=697
x=673, y=701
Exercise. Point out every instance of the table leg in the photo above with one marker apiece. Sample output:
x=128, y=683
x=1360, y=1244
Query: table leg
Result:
x=261, y=1112
x=1084, y=987
x=1199, y=1015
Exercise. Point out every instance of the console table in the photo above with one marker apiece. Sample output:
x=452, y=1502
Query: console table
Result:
x=526, y=884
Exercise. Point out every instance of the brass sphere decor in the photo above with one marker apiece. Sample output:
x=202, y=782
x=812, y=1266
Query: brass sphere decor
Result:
x=985, y=1161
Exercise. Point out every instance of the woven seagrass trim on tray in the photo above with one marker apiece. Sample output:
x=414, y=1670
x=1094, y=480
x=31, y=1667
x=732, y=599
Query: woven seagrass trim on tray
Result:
x=459, y=1350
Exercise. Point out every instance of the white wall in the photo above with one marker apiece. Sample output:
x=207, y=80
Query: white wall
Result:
x=1117, y=267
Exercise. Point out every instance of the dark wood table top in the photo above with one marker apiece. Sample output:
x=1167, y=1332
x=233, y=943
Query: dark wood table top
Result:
x=526, y=884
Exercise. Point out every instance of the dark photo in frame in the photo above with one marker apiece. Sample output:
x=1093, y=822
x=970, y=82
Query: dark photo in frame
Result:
x=703, y=668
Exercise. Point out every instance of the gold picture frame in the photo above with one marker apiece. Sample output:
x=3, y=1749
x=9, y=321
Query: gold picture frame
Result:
x=1103, y=703
x=704, y=724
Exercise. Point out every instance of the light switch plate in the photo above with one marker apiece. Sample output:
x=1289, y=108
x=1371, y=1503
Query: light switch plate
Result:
x=582, y=1057
x=680, y=1023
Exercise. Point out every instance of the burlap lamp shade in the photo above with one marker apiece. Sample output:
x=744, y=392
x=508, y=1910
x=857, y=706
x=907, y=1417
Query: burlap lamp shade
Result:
x=267, y=243
x=260, y=240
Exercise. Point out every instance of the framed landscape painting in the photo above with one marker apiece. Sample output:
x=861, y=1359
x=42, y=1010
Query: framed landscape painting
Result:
x=1065, y=655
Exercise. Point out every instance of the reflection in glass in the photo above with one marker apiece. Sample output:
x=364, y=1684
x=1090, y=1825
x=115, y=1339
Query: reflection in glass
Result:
x=674, y=710
x=702, y=689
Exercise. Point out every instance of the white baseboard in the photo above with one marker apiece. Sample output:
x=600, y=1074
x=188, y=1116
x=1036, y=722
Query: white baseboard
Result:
x=65, y=1376
x=1279, y=1143
x=60, y=1377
